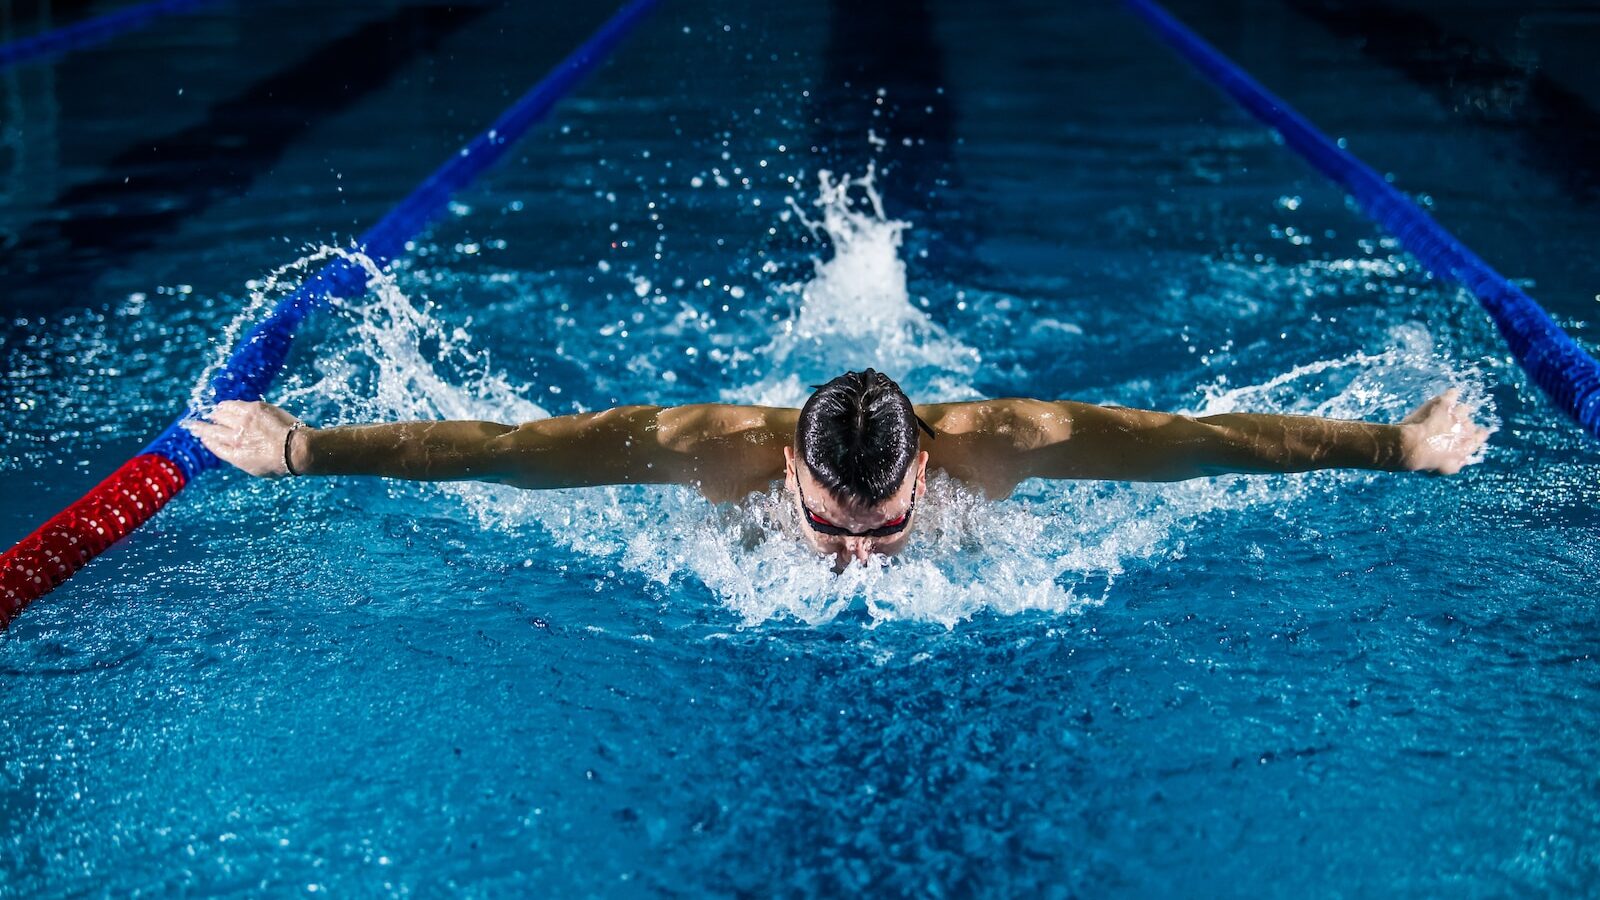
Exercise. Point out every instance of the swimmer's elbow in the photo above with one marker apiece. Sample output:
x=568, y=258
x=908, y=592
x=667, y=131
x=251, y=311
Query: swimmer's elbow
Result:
x=1115, y=443
x=615, y=446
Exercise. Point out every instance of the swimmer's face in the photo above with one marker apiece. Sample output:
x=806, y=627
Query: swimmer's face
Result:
x=852, y=517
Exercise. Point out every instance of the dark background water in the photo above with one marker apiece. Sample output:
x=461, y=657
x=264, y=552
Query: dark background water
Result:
x=1376, y=687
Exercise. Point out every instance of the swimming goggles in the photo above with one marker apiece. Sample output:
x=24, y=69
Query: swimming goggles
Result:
x=823, y=526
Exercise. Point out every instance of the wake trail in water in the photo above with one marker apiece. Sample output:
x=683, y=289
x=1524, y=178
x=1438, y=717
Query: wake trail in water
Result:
x=1054, y=547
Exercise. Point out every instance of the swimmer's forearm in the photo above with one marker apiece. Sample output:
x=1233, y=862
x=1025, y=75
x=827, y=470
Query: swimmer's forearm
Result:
x=623, y=445
x=1264, y=443
x=1116, y=443
x=724, y=450
x=417, y=451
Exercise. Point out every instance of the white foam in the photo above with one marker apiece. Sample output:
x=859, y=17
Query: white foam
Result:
x=1054, y=548
x=856, y=309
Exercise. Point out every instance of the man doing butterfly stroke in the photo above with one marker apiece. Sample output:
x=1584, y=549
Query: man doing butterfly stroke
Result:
x=853, y=458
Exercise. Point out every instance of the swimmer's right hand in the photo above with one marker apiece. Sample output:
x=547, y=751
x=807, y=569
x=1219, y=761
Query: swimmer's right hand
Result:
x=250, y=435
x=1440, y=435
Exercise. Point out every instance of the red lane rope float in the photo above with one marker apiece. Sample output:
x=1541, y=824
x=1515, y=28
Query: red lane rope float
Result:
x=134, y=492
x=126, y=499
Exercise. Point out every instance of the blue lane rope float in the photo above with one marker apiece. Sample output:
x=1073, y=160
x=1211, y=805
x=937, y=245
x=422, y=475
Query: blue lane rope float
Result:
x=1552, y=359
x=147, y=482
x=256, y=359
x=93, y=31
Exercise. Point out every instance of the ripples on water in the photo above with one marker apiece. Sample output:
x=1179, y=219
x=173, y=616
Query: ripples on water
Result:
x=1338, y=682
x=1055, y=547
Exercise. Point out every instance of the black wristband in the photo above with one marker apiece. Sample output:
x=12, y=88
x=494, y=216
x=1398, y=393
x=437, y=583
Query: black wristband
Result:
x=287, y=467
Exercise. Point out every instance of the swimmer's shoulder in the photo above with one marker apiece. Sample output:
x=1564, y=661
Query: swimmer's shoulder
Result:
x=1019, y=421
x=985, y=442
x=725, y=425
x=732, y=449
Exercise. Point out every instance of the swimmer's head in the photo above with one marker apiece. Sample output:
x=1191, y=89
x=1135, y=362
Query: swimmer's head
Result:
x=855, y=469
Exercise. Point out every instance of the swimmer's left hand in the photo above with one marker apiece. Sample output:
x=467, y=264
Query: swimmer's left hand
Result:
x=1441, y=436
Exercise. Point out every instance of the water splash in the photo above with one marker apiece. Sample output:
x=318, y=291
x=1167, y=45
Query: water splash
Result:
x=1360, y=385
x=1056, y=547
x=856, y=310
x=264, y=295
x=388, y=358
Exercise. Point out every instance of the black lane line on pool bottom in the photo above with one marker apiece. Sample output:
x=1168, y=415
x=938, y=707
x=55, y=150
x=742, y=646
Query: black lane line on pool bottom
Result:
x=1556, y=362
x=89, y=32
x=1558, y=129
x=887, y=46
x=150, y=187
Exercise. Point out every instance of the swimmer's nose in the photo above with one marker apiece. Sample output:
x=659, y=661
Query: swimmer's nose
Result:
x=859, y=548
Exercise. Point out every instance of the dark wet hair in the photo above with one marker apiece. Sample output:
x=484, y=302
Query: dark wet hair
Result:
x=858, y=435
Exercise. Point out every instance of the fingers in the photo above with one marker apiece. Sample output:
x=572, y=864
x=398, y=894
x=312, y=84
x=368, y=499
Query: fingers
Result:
x=238, y=414
x=1466, y=442
x=226, y=428
x=1479, y=437
x=1447, y=406
x=1442, y=411
x=219, y=439
x=1426, y=410
x=206, y=431
x=234, y=412
x=1451, y=437
x=226, y=413
x=1463, y=424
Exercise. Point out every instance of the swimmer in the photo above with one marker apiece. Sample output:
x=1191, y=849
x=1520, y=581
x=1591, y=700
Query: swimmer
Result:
x=853, y=459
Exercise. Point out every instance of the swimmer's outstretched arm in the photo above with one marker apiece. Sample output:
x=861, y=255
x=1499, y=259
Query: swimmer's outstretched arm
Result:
x=1041, y=439
x=706, y=445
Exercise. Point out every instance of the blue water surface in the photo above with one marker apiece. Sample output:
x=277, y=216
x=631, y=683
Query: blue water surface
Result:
x=1336, y=684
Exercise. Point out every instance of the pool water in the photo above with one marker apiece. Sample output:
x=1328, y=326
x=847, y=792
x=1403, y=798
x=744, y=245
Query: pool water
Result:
x=1334, y=684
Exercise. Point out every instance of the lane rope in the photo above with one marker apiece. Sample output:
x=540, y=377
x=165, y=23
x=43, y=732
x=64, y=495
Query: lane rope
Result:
x=93, y=31
x=1567, y=373
x=144, y=484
